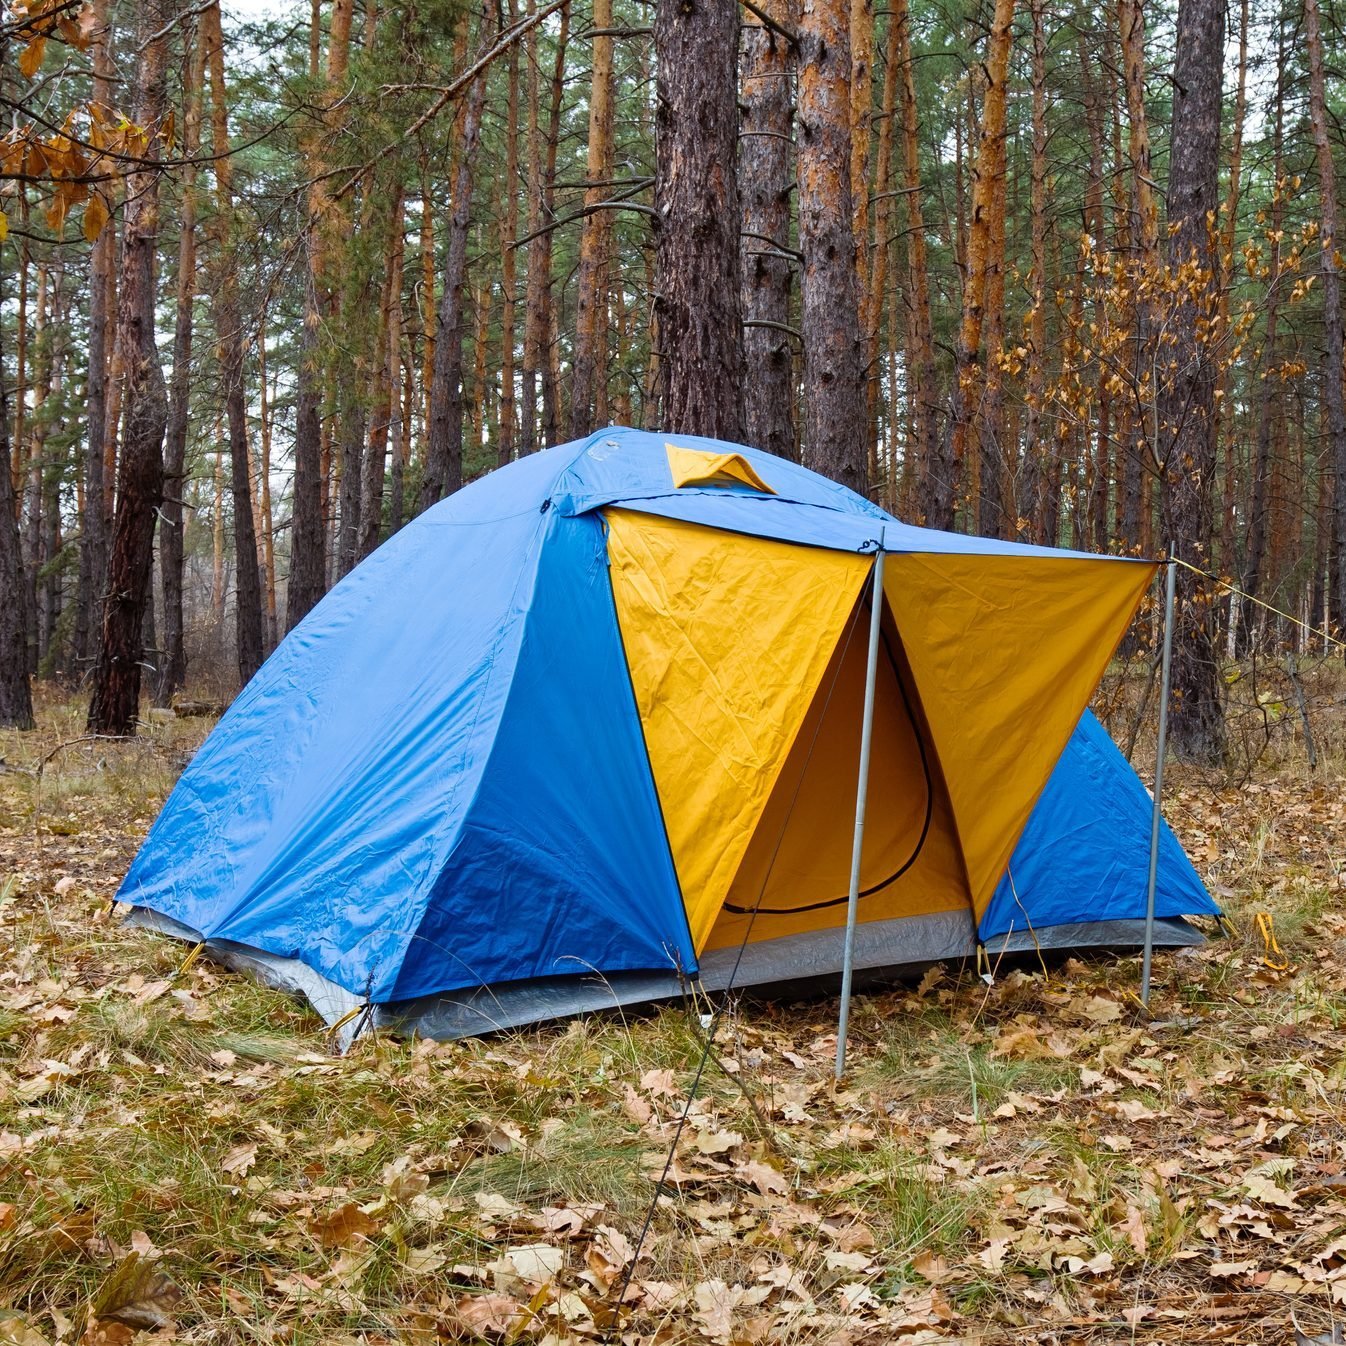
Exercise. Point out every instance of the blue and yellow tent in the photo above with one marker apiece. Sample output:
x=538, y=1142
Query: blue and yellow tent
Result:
x=589, y=729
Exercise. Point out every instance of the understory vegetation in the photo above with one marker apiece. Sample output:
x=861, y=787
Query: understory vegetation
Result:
x=184, y=1156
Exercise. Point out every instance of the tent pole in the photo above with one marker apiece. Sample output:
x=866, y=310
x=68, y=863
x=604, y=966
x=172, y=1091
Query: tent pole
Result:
x=1161, y=749
x=861, y=797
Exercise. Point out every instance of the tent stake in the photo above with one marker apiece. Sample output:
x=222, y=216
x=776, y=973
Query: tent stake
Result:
x=861, y=797
x=1161, y=749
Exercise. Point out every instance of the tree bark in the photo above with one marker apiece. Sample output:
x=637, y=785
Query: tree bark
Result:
x=94, y=522
x=173, y=664
x=1138, y=452
x=229, y=350
x=116, y=690
x=1187, y=394
x=509, y=231
x=768, y=278
x=388, y=430
x=591, y=288
x=444, y=447
x=1332, y=322
x=834, y=402
x=308, y=533
x=16, y=697
x=925, y=441
x=986, y=185
x=699, y=302
x=1268, y=392
x=1031, y=498
x=542, y=149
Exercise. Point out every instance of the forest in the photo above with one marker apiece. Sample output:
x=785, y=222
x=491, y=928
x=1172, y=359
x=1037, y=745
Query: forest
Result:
x=276, y=280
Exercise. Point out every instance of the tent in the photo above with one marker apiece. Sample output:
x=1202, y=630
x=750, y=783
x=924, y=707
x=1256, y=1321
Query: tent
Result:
x=588, y=731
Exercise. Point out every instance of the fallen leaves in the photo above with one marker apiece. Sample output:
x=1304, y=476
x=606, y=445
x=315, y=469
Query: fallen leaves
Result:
x=1030, y=1160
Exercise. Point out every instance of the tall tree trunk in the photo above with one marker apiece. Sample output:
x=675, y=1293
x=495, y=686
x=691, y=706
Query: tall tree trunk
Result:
x=834, y=400
x=266, y=527
x=1187, y=395
x=388, y=414
x=444, y=448
x=933, y=473
x=1332, y=323
x=116, y=689
x=1222, y=446
x=509, y=230
x=765, y=186
x=1095, y=464
x=591, y=287
x=699, y=303
x=94, y=523
x=877, y=279
x=538, y=374
x=173, y=664
x=16, y=697
x=1036, y=466
x=986, y=186
x=990, y=415
x=1268, y=389
x=229, y=348
x=1138, y=450
x=861, y=117
x=308, y=533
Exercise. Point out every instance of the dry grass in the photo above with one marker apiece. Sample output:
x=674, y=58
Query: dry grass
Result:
x=1033, y=1160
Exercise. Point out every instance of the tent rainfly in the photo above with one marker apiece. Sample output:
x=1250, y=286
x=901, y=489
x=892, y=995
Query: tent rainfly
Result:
x=588, y=731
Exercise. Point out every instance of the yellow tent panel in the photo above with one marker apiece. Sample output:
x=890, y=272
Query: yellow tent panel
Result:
x=796, y=871
x=1006, y=652
x=727, y=638
x=696, y=467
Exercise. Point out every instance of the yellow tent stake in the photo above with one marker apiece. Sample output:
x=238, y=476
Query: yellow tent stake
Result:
x=191, y=958
x=1266, y=927
x=346, y=1018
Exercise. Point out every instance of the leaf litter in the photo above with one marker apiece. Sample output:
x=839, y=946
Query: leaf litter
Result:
x=182, y=1158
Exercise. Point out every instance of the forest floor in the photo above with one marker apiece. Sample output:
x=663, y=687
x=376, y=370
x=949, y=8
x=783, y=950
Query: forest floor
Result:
x=183, y=1157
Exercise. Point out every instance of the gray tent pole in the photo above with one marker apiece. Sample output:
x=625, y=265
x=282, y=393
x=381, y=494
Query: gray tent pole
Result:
x=1161, y=750
x=861, y=797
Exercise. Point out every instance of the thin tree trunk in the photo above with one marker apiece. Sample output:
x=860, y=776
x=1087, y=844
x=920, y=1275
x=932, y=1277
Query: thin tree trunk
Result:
x=1268, y=391
x=388, y=412
x=1138, y=450
x=933, y=472
x=16, y=697
x=267, y=530
x=877, y=279
x=509, y=231
x=861, y=117
x=444, y=449
x=765, y=187
x=93, y=521
x=1222, y=446
x=116, y=690
x=699, y=303
x=542, y=149
x=591, y=287
x=308, y=533
x=229, y=348
x=834, y=400
x=173, y=665
x=986, y=175
x=1036, y=467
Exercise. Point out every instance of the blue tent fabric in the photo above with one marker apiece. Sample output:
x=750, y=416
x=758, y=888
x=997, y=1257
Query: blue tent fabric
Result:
x=1085, y=852
x=439, y=779
x=562, y=851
